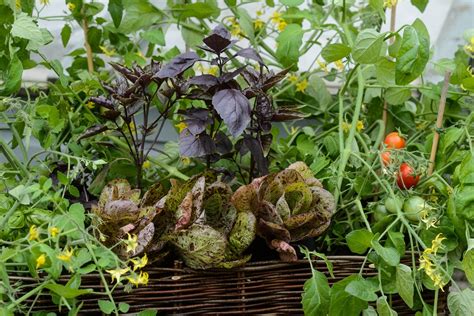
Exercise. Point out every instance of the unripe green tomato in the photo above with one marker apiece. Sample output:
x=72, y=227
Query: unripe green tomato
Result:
x=414, y=206
x=380, y=212
x=393, y=203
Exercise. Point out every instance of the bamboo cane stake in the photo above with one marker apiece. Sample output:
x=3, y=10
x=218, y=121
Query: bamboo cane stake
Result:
x=90, y=62
x=393, y=17
x=439, y=121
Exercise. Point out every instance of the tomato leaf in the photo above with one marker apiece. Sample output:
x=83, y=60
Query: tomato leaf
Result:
x=65, y=291
x=115, y=9
x=461, y=303
x=289, y=42
x=363, y=289
x=367, y=47
x=389, y=255
x=405, y=283
x=359, y=240
x=315, y=298
x=413, y=53
x=66, y=34
x=336, y=51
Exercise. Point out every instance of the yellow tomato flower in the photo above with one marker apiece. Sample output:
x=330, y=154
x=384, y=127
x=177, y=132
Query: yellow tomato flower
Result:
x=139, y=263
x=106, y=51
x=90, y=105
x=18, y=4
x=136, y=280
x=294, y=130
x=293, y=78
x=213, y=70
x=44, y=2
x=282, y=25
x=235, y=29
x=40, y=261
x=339, y=65
x=66, y=255
x=146, y=164
x=323, y=66
x=71, y=6
x=260, y=12
x=276, y=17
x=437, y=242
x=360, y=126
x=34, y=233
x=131, y=242
x=117, y=273
x=346, y=127
x=54, y=231
x=181, y=126
x=258, y=24
x=438, y=281
x=302, y=85
x=186, y=160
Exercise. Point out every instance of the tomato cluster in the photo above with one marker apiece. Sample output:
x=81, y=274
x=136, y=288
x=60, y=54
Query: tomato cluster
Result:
x=406, y=176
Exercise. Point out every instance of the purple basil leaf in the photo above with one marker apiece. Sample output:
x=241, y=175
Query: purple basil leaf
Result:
x=250, y=53
x=287, y=114
x=195, y=146
x=257, y=153
x=204, y=80
x=223, y=143
x=234, y=108
x=197, y=121
x=91, y=131
x=215, y=61
x=221, y=31
x=178, y=65
x=228, y=76
x=217, y=43
x=111, y=114
x=251, y=76
x=124, y=71
x=103, y=101
x=264, y=107
x=273, y=80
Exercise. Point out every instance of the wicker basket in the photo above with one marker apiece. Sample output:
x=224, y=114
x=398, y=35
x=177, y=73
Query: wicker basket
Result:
x=258, y=288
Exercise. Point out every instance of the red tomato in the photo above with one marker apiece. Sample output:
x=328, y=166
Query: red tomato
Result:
x=385, y=158
x=394, y=140
x=407, y=177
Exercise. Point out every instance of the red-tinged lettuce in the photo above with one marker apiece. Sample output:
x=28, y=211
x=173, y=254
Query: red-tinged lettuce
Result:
x=121, y=211
x=290, y=206
x=208, y=231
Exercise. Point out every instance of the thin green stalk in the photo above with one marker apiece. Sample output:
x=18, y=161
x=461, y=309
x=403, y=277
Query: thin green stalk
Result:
x=362, y=214
x=348, y=145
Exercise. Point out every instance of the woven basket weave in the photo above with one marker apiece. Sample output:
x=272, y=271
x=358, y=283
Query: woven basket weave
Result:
x=258, y=288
